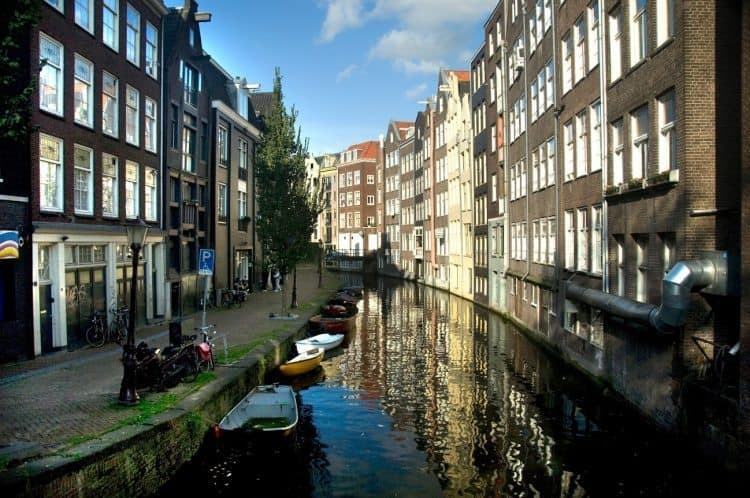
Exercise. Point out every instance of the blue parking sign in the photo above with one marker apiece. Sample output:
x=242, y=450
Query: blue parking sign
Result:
x=205, y=262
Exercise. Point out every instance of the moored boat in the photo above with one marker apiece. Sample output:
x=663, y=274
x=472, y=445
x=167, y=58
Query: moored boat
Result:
x=330, y=324
x=303, y=362
x=325, y=341
x=266, y=408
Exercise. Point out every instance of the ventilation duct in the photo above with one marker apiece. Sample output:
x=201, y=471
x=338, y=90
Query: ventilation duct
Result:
x=708, y=273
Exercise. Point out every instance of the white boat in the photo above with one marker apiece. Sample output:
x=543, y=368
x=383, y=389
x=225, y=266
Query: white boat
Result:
x=267, y=408
x=325, y=341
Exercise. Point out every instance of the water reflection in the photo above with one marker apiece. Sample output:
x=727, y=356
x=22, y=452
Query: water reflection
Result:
x=433, y=396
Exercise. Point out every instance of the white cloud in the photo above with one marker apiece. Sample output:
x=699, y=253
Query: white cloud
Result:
x=341, y=15
x=416, y=92
x=346, y=73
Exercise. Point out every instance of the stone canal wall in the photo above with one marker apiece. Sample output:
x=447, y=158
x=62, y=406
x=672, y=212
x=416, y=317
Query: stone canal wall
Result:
x=137, y=460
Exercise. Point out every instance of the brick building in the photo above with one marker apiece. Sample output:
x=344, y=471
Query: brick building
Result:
x=481, y=139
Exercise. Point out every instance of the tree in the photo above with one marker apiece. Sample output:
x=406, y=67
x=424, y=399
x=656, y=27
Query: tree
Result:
x=287, y=211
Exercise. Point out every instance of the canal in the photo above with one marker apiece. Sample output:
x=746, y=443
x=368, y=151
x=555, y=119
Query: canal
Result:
x=434, y=396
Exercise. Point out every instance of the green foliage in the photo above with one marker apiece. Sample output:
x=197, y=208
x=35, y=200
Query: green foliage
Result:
x=287, y=211
x=16, y=83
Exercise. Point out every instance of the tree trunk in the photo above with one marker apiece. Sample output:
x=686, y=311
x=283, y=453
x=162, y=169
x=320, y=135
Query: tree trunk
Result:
x=294, y=288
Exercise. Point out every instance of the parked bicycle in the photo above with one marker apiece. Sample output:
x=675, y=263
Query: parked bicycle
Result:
x=99, y=333
x=232, y=296
x=205, y=350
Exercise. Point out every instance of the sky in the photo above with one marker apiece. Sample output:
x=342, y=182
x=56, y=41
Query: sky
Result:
x=348, y=66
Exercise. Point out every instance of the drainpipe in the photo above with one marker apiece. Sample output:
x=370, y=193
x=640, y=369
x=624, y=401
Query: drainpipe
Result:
x=604, y=147
x=677, y=285
x=527, y=121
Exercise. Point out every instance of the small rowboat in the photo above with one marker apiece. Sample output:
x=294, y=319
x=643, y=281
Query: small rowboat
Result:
x=331, y=324
x=303, y=362
x=267, y=408
x=325, y=341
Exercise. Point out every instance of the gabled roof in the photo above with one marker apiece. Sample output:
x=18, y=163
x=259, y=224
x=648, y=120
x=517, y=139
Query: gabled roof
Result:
x=261, y=102
x=403, y=128
x=368, y=150
x=461, y=76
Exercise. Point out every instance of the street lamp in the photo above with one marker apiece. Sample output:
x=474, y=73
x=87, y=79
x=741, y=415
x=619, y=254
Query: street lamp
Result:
x=320, y=263
x=137, y=231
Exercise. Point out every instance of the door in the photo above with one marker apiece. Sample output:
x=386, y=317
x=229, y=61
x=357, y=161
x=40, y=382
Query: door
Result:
x=45, y=317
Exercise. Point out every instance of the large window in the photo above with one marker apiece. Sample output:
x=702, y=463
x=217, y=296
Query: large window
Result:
x=83, y=180
x=133, y=36
x=569, y=159
x=152, y=51
x=132, y=106
x=51, y=75
x=84, y=14
x=596, y=239
x=83, y=92
x=242, y=199
x=582, y=261
x=567, y=64
x=110, y=23
x=150, y=194
x=615, y=45
x=243, y=149
x=109, y=104
x=638, y=31
x=639, y=133
x=664, y=20
x=188, y=142
x=109, y=185
x=593, y=20
x=223, y=145
x=190, y=83
x=620, y=262
x=641, y=245
x=50, y=173
x=150, y=134
x=580, y=49
x=595, y=123
x=131, y=189
x=581, y=144
x=223, y=203
x=617, y=153
x=667, y=135
x=570, y=238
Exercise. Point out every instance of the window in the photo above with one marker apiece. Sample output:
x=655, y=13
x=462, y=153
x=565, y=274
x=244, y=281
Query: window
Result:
x=534, y=101
x=242, y=199
x=83, y=91
x=617, y=149
x=641, y=242
x=371, y=179
x=493, y=187
x=84, y=14
x=58, y=4
x=595, y=122
x=567, y=52
x=535, y=245
x=151, y=199
x=356, y=177
x=132, y=98
x=551, y=164
x=51, y=75
x=223, y=203
x=620, y=265
x=493, y=138
x=223, y=145
x=615, y=45
x=152, y=51
x=580, y=50
x=188, y=142
x=550, y=85
x=110, y=89
x=593, y=19
x=596, y=239
x=175, y=133
x=667, y=135
x=83, y=180
x=534, y=170
x=570, y=237
x=349, y=179
x=581, y=144
x=582, y=262
x=357, y=197
x=639, y=131
x=109, y=185
x=342, y=199
x=131, y=189
x=370, y=200
x=551, y=239
x=243, y=150
x=190, y=83
x=668, y=251
x=50, y=173
x=664, y=20
x=110, y=23
x=150, y=127
x=638, y=31
x=569, y=139
x=133, y=36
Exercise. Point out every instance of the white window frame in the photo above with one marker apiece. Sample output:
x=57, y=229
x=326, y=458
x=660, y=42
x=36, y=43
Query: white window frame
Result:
x=133, y=35
x=620, y=264
x=664, y=21
x=638, y=31
x=595, y=136
x=83, y=91
x=222, y=203
x=84, y=7
x=110, y=174
x=151, y=194
x=570, y=240
x=618, y=148
x=641, y=281
x=132, y=191
x=150, y=116
x=581, y=144
x=667, y=112
x=615, y=44
x=579, y=32
x=567, y=62
x=596, y=239
x=132, y=115
x=51, y=75
x=551, y=161
x=151, y=54
x=593, y=34
x=83, y=180
x=110, y=98
x=51, y=186
x=582, y=242
x=57, y=5
x=569, y=159
x=111, y=34
x=639, y=147
x=241, y=199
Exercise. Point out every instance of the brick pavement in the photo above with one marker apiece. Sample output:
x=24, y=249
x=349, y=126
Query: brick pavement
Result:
x=49, y=402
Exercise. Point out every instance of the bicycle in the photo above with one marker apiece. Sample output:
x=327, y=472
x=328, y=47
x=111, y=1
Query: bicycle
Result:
x=231, y=296
x=98, y=332
x=118, y=329
x=205, y=350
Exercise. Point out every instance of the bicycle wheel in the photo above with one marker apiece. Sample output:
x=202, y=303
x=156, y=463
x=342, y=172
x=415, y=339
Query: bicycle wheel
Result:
x=118, y=332
x=95, y=336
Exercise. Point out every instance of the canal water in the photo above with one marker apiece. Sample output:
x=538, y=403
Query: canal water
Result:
x=433, y=396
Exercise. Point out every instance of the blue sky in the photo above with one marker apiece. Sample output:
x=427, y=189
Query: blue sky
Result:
x=348, y=66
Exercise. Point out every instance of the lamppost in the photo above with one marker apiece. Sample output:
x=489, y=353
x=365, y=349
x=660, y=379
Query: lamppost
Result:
x=320, y=263
x=137, y=231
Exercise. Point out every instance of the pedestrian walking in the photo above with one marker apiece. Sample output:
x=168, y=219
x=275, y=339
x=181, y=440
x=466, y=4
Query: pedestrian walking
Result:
x=276, y=280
